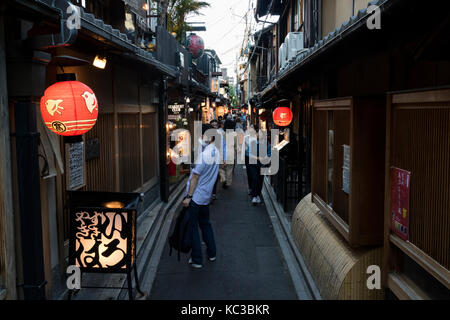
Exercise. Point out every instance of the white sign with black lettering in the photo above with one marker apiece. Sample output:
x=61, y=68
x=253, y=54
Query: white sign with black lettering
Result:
x=75, y=165
x=346, y=170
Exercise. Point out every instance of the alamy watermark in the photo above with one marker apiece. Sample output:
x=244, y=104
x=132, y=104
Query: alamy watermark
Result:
x=374, y=280
x=73, y=281
x=73, y=17
x=374, y=21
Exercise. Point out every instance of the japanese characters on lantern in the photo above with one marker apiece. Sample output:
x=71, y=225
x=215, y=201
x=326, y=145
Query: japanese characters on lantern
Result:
x=69, y=108
x=282, y=116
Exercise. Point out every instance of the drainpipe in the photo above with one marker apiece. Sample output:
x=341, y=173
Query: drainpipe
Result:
x=23, y=63
x=6, y=199
x=27, y=141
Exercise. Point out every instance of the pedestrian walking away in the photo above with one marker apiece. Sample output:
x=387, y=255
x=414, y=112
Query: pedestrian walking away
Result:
x=198, y=197
x=229, y=154
x=215, y=125
x=254, y=164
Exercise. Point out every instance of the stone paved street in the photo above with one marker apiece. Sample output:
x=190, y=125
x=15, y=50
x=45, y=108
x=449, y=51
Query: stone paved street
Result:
x=249, y=263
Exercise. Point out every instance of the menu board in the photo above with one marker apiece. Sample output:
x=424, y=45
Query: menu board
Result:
x=75, y=165
x=175, y=111
x=400, y=190
x=346, y=170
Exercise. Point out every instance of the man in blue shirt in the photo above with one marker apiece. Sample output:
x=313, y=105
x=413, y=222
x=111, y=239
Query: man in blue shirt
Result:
x=198, y=197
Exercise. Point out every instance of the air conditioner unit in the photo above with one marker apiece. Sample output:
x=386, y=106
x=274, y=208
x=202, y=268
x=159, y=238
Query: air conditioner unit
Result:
x=282, y=56
x=294, y=44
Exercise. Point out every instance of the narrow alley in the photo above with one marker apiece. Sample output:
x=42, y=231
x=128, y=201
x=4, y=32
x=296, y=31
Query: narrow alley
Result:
x=249, y=263
x=112, y=110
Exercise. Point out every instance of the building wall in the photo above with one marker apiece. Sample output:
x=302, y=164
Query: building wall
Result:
x=334, y=13
x=127, y=135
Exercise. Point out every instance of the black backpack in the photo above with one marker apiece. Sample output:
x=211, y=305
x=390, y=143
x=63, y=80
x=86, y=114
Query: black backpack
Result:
x=181, y=238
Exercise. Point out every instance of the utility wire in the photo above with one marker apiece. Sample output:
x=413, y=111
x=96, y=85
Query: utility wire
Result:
x=259, y=37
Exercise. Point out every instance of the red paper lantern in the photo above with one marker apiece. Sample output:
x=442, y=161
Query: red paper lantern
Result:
x=69, y=108
x=282, y=116
x=196, y=45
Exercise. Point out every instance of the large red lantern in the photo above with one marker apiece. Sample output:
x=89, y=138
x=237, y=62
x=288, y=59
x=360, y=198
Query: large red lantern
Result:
x=69, y=108
x=282, y=116
x=196, y=45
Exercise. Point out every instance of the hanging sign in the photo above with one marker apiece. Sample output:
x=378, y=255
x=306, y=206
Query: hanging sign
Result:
x=75, y=165
x=174, y=111
x=346, y=170
x=282, y=116
x=400, y=191
x=69, y=108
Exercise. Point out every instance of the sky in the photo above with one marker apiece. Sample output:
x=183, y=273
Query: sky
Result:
x=225, y=29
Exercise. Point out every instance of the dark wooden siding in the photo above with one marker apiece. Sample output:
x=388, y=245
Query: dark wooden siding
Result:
x=149, y=145
x=100, y=171
x=129, y=155
x=421, y=144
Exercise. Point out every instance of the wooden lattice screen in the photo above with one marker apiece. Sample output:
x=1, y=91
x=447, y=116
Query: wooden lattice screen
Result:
x=419, y=142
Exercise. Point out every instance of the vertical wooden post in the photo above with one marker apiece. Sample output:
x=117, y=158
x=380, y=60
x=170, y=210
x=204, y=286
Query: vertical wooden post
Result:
x=27, y=139
x=162, y=120
x=7, y=250
x=141, y=134
x=387, y=251
x=116, y=133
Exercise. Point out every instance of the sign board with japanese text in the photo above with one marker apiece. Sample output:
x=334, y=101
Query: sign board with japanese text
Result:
x=399, y=209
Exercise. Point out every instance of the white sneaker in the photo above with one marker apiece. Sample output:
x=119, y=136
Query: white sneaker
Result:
x=212, y=259
x=258, y=199
x=194, y=265
x=255, y=201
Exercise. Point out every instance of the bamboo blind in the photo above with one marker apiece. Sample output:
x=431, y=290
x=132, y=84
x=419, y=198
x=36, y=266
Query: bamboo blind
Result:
x=338, y=270
x=100, y=171
x=129, y=154
x=149, y=145
x=420, y=143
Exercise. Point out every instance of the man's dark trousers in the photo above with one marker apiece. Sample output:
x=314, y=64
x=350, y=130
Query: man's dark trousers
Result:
x=256, y=179
x=200, y=217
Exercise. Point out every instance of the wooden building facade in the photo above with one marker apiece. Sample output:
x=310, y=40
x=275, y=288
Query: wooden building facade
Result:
x=367, y=102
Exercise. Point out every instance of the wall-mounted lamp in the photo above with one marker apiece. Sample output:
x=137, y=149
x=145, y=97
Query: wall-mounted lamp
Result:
x=188, y=100
x=145, y=6
x=203, y=104
x=99, y=62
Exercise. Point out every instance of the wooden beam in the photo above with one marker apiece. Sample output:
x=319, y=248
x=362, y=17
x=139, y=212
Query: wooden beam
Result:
x=332, y=217
x=404, y=288
x=434, y=96
x=424, y=260
x=334, y=104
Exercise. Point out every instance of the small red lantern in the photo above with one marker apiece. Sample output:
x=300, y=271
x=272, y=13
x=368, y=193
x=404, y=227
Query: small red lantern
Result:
x=196, y=45
x=69, y=108
x=282, y=116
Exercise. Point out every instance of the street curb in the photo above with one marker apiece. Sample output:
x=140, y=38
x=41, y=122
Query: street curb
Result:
x=156, y=241
x=300, y=275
